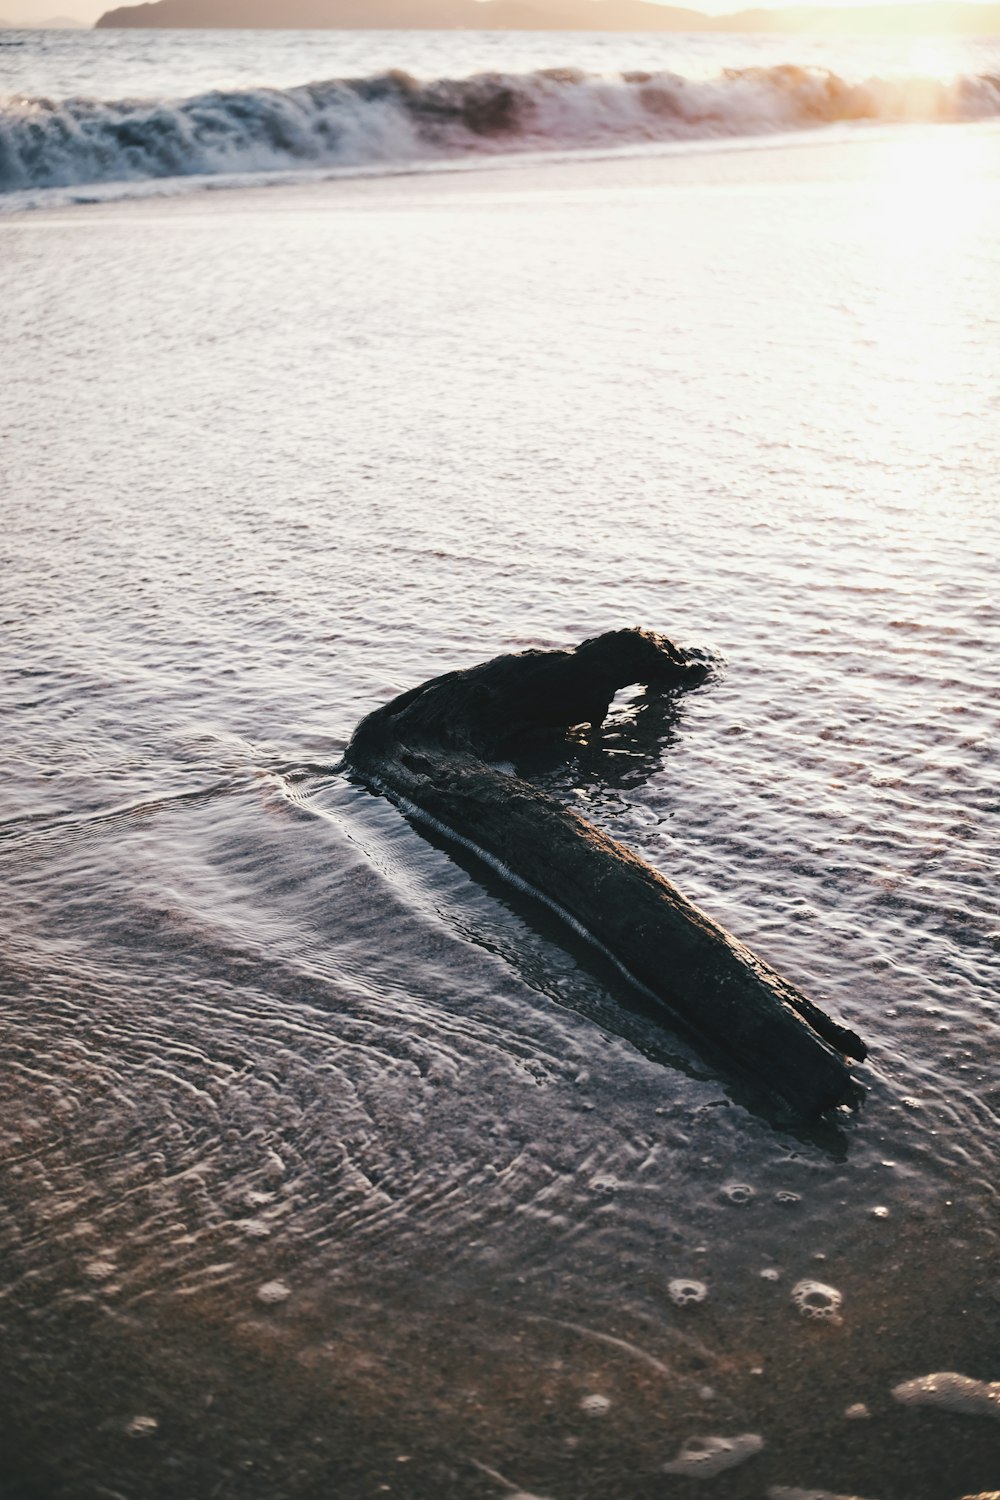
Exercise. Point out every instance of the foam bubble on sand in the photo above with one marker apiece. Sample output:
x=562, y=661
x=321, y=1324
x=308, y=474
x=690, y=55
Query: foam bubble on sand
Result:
x=816, y=1300
x=739, y=1193
x=595, y=1406
x=142, y=1427
x=682, y=1291
x=954, y=1392
x=790, y=1492
x=704, y=1457
x=100, y=1269
x=273, y=1291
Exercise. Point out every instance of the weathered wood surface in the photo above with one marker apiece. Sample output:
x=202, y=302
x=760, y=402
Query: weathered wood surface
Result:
x=432, y=750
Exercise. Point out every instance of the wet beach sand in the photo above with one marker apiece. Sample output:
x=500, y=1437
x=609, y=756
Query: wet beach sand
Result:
x=331, y=1166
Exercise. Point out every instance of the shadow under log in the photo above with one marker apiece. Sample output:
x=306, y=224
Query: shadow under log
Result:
x=435, y=750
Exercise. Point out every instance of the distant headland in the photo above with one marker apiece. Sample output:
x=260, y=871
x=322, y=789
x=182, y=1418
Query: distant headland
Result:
x=554, y=15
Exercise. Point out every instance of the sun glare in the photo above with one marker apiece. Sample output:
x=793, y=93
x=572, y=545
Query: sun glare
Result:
x=934, y=192
x=935, y=186
x=937, y=57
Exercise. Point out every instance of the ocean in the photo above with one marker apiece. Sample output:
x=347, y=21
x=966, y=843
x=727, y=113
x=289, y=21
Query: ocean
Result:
x=128, y=112
x=333, y=1165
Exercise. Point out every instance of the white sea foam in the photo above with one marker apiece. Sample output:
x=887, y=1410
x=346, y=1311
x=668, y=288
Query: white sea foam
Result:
x=704, y=1457
x=815, y=1299
x=142, y=1427
x=682, y=1291
x=395, y=119
x=273, y=1292
x=792, y=1492
x=739, y=1193
x=952, y=1391
x=595, y=1405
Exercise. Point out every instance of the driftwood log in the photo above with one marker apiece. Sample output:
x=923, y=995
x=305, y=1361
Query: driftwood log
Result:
x=435, y=751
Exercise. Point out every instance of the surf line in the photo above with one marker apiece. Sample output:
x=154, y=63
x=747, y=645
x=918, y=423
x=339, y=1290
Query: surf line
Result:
x=433, y=750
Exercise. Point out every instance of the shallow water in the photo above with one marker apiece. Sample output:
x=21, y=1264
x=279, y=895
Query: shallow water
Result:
x=326, y=1154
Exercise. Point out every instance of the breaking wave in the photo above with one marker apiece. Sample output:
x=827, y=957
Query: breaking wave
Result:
x=394, y=119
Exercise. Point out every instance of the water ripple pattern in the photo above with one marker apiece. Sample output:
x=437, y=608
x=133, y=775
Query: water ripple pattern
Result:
x=288, y=1084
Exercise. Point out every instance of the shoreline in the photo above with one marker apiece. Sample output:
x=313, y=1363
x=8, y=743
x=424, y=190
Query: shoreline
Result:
x=826, y=158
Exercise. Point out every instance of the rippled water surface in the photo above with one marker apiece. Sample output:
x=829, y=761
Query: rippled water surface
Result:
x=332, y=1167
x=173, y=64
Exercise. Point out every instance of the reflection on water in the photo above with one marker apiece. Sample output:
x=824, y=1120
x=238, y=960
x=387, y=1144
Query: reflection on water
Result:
x=328, y=1166
x=623, y=753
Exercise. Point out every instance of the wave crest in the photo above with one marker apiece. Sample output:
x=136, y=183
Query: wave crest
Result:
x=393, y=118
